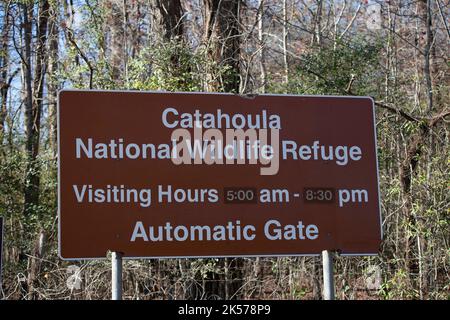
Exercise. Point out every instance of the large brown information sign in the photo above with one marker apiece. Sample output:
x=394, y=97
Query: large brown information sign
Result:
x=152, y=174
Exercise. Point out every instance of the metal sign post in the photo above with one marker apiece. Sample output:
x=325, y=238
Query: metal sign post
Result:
x=116, y=277
x=328, y=275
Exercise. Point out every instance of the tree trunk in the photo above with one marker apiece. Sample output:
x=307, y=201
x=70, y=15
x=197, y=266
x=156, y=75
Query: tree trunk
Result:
x=32, y=97
x=171, y=14
x=52, y=82
x=425, y=15
x=114, y=27
x=318, y=24
x=285, y=39
x=29, y=192
x=222, y=37
x=33, y=102
x=262, y=53
x=4, y=68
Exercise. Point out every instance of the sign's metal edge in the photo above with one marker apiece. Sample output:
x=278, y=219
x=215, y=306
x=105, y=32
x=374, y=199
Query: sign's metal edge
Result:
x=214, y=93
x=58, y=124
x=377, y=168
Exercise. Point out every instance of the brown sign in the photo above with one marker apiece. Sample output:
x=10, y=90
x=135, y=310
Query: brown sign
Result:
x=152, y=174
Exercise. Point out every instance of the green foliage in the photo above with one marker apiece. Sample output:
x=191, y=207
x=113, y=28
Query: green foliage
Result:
x=11, y=182
x=329, y=70
x=205, y=266
x=169, y=66
x=397, y=287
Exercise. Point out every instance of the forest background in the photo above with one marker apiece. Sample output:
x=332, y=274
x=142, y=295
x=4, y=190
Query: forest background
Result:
x=394, y=51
